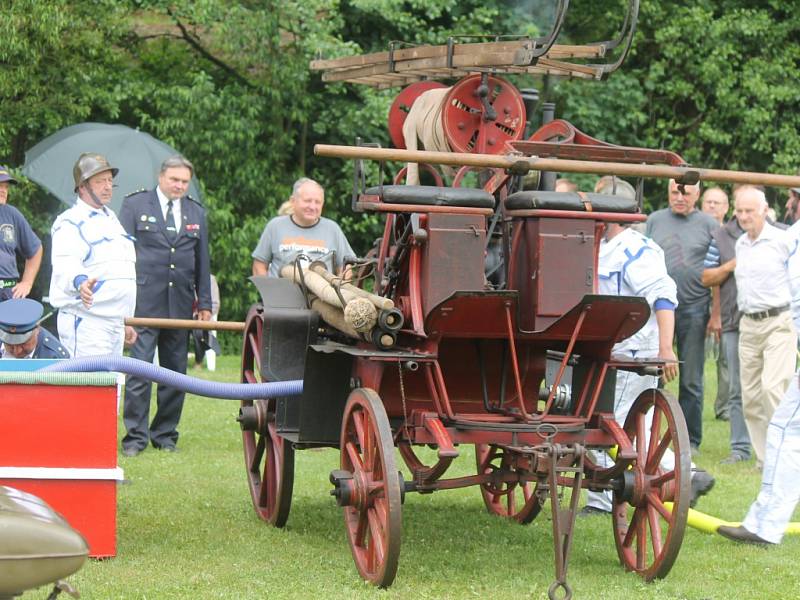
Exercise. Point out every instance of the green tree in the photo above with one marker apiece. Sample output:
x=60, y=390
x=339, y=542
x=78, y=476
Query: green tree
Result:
x=228, y=84
x=715, y=82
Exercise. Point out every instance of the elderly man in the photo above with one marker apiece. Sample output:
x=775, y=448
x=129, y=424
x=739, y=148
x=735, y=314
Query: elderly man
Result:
x=172, y=268
x=21, y=336
x=16, y=237
x=767, y=518
x=683, y=232
x=767, y=338
x=304, y=233
x=714, y=202
x=630, y=264
x=94, y=266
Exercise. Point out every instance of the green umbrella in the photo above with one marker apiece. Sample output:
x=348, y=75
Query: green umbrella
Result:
x=136, y=154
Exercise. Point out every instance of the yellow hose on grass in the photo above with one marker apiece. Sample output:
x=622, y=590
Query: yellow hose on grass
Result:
x=708, y=524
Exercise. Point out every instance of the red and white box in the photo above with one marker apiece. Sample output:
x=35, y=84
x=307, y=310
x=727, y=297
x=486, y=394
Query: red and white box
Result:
x=58, y=440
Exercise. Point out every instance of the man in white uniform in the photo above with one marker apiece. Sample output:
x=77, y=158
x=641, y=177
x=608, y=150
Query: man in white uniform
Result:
x=94, y=266
x=631, y=264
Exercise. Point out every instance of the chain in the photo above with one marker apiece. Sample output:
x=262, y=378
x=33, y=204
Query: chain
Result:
x=403, y=397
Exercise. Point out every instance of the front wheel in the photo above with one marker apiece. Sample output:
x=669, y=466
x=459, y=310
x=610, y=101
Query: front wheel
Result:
x=372, y=499
x=648, y=533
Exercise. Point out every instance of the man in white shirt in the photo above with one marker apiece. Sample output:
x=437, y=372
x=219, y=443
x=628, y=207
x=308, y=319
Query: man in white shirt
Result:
x=94, y=266
x=767, y=338
x=766, y=521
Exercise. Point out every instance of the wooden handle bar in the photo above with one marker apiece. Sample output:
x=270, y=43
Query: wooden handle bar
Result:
x=184, y=324
x=523, y=163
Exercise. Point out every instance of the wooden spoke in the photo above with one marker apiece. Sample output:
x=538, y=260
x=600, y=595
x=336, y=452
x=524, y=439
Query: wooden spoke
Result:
x=647, y=534
x=373, y=518
x=515, y=500
x=268, y=458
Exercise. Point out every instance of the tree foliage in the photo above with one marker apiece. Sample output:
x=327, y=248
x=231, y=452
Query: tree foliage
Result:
x=227, y=82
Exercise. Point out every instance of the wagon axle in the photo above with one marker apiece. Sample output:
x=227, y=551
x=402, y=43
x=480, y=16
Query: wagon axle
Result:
x=254, y=417
x=355, y=491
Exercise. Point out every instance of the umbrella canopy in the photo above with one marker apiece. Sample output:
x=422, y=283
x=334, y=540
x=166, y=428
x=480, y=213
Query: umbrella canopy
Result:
x=136, y=154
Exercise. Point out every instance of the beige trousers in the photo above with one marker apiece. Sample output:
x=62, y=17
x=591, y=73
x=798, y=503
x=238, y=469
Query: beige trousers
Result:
x=767, y=351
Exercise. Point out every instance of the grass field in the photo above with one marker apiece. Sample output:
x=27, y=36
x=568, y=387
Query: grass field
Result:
x=186, y=530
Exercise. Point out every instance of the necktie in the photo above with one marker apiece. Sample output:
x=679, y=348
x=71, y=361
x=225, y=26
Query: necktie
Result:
x=172, y=231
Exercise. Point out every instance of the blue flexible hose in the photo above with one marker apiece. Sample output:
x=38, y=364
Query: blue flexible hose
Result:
x=192, y=385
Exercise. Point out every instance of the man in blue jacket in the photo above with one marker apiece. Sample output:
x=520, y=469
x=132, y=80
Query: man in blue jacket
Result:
x=16, y=237
x=172, y=267
x=21, y=336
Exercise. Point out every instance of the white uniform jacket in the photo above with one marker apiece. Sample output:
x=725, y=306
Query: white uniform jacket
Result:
x=631, y=264
x=92, y=242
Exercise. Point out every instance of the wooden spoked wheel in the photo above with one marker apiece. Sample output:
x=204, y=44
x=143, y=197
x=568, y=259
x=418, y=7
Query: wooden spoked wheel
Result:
x=516, y=500
x=647, y=533
x=372, y=511
x=268, y=458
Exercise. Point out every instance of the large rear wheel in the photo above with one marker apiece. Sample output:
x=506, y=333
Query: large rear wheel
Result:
x=268, y=458
x=516, y=500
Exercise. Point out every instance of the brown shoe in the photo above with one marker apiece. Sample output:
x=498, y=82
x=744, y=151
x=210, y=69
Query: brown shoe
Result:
x=740, y=534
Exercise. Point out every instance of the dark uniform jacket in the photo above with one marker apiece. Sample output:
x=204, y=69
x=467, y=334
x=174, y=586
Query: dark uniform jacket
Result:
x=48, y=346
x=168, y=273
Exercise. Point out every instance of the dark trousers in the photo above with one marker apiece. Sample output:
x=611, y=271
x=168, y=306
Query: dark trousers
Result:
x=740, y=438
x=690, y=335
x=172, y=354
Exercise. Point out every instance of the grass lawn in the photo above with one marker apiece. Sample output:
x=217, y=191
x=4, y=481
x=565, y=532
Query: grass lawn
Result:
x=186, y=529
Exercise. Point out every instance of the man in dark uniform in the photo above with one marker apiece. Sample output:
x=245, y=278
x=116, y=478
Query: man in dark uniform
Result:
x=16, y=237
x=172, y=266
x=21, y=336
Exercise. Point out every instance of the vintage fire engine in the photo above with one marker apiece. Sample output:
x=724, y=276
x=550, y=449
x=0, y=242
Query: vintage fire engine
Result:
x=513, y=357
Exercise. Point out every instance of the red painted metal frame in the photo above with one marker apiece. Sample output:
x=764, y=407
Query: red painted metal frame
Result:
x=445, y=426
x=576, y=214
x=515, y=366
x=464, y=117
x=415, y=290
x=563, y=366
x=572, y=143
x=377, y=206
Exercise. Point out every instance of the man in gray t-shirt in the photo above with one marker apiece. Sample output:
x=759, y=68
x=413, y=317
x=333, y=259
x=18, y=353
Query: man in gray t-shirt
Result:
x=684, y=233
x=304, y=232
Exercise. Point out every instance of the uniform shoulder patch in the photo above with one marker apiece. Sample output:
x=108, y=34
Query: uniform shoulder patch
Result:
x=136, y=192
